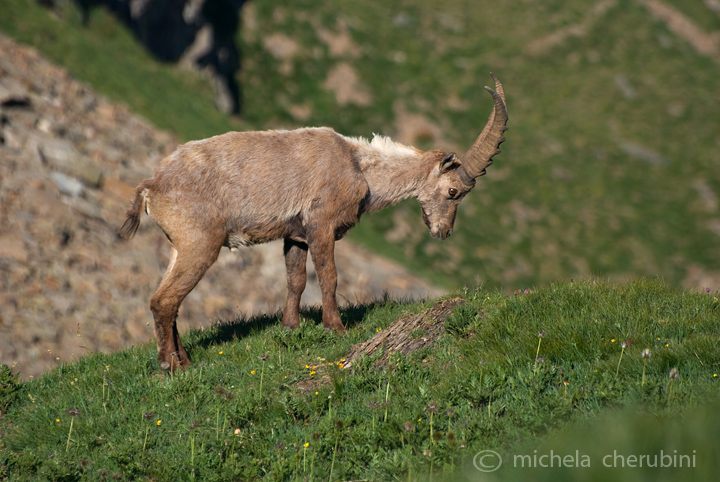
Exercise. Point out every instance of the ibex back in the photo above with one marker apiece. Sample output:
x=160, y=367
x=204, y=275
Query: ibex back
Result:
x=308, y=187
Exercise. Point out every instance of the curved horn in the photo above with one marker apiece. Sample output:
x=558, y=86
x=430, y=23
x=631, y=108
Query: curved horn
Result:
x=479, y=156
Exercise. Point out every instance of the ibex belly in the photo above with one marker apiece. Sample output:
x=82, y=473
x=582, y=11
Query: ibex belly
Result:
x=251, y=233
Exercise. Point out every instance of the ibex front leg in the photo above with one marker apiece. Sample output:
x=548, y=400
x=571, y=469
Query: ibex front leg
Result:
x=322, y=250
x=295, y=264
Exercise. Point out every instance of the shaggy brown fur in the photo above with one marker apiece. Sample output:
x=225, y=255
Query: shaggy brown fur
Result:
x=308, y=186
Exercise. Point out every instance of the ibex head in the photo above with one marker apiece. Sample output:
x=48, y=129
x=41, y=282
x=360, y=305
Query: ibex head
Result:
x=452, y=178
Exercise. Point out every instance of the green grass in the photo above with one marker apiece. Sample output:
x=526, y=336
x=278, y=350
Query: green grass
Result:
x=591, y=181
x=615, y=444
x=481, y=386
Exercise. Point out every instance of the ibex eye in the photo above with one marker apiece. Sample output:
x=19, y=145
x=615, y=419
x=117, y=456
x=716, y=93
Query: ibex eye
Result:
x=452, y=192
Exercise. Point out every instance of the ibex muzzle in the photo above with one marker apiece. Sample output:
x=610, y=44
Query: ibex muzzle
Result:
x=307, y=186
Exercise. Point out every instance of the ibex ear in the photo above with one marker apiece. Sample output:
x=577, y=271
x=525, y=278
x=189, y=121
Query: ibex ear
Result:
x=450, y=162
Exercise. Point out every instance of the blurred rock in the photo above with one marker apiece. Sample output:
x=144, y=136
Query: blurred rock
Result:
x=199, y=34
x=12, y=94
x=66, y=184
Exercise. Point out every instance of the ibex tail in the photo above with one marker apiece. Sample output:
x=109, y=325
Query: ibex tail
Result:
x=132, y=221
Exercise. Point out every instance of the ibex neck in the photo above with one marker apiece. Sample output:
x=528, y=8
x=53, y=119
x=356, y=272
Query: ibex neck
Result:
x=393, y=171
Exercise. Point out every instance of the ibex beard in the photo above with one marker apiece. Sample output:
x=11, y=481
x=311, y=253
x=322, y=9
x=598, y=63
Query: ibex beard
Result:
x=307, y=186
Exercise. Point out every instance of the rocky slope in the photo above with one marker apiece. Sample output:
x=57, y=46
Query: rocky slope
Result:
x=69, y=160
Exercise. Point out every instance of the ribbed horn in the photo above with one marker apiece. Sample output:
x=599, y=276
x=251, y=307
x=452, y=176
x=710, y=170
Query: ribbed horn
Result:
x=480, y=155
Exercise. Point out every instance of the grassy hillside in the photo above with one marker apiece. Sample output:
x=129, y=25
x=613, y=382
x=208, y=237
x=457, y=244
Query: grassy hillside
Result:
x=106, y=56
x=611, y=166
x=261, y=402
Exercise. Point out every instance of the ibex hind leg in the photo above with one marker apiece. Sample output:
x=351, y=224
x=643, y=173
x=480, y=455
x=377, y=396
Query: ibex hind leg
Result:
x=296, y=266
x=187, y=267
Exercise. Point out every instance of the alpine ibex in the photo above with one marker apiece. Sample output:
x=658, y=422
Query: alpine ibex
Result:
x=308, y=186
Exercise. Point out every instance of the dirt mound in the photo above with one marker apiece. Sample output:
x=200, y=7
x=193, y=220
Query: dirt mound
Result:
x=68, y=285
x=406, y=335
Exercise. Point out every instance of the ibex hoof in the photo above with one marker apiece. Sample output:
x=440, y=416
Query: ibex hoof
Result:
x=175, y=363
x=339, y=328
